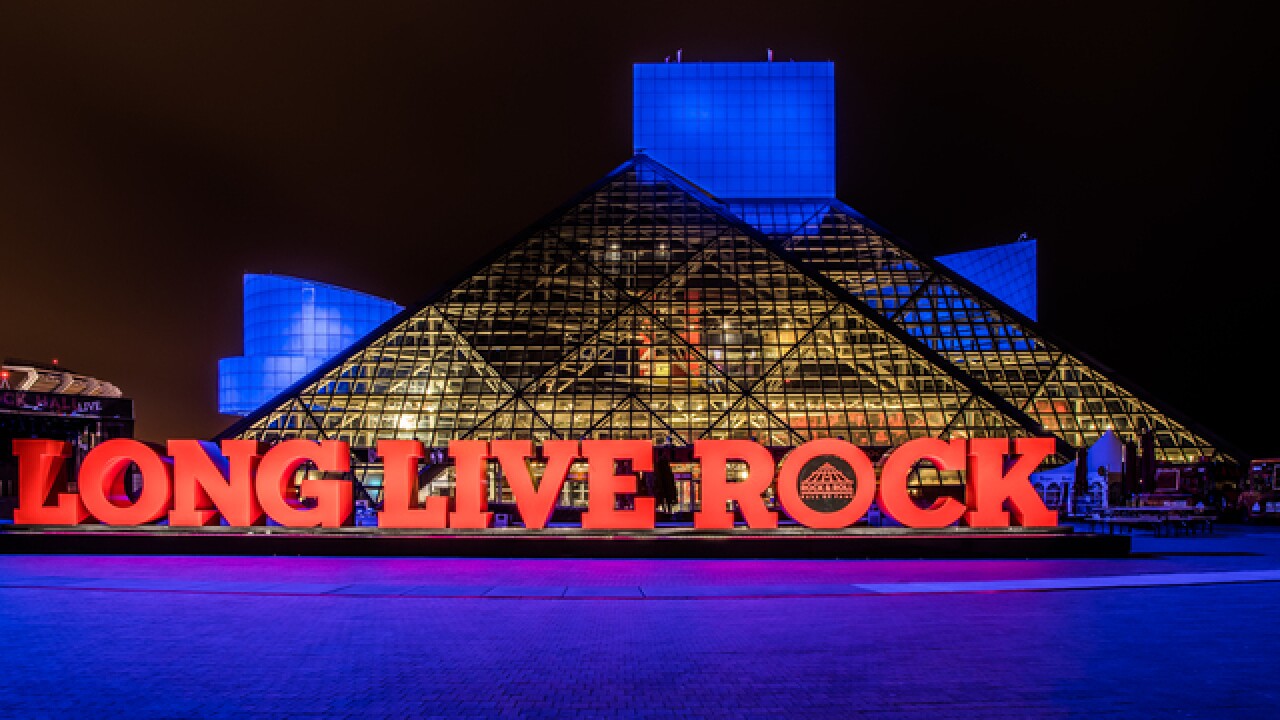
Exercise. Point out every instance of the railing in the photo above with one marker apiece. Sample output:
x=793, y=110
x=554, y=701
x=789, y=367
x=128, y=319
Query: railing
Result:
x=1159, y=520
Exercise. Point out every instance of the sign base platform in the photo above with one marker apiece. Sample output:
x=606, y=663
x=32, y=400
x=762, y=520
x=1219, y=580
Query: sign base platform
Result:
x=678, y=542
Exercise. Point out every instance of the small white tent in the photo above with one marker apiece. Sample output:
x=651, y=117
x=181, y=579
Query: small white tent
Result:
x=1054, y=484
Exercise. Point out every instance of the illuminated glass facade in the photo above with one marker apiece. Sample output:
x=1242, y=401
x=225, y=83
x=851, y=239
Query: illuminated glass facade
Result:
x=291, y=327
x=740, y=130
x=1006, y=271
x=651, y=308
x=1058, y=388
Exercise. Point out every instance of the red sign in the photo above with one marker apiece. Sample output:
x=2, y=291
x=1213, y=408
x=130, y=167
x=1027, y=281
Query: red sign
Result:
x=823, y=484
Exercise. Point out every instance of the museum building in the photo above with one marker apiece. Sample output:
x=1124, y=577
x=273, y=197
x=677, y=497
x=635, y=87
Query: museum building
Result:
x=714, y=286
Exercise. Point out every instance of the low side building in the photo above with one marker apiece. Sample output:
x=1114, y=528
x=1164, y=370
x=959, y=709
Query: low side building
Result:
x=45, y=400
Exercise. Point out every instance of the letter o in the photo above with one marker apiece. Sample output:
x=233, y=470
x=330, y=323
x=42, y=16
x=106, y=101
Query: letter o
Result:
x=102, y=477
x=789, y=480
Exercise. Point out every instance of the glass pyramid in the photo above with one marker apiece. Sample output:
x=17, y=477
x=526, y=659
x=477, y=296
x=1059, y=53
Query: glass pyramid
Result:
x=649, y=310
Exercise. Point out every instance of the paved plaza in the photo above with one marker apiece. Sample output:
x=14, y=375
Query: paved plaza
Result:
x=1184, y=628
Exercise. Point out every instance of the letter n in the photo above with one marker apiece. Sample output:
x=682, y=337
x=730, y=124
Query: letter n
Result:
x=209, y=483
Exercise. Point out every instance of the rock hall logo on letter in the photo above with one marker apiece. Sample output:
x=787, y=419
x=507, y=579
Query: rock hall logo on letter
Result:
x=827, y=484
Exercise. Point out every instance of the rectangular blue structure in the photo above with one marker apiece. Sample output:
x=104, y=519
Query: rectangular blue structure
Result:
x=740, y=130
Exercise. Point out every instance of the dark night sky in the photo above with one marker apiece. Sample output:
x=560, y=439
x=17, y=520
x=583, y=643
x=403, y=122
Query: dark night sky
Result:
x=151, y=153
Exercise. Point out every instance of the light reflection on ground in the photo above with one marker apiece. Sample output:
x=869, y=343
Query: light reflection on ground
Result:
x=215, y=637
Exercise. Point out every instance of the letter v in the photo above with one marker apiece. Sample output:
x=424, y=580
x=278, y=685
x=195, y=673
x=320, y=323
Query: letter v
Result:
x=535, y=504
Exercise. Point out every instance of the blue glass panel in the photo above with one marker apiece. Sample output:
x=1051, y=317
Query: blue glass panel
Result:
x=291, y=327
x=1006, y=271
x=782, y=217
x=740, y=130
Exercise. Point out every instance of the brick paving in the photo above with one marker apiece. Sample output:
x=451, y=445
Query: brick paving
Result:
x=248, y=638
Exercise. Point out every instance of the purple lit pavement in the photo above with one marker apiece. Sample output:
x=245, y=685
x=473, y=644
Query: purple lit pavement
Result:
x=1184, y=628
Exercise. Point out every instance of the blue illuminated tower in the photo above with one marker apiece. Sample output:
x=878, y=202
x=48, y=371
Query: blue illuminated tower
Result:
x=740, y=130
x=291, y=327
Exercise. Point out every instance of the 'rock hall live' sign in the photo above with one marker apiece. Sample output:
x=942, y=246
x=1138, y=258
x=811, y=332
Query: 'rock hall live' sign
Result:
x=822, y=484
